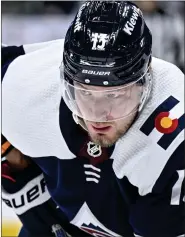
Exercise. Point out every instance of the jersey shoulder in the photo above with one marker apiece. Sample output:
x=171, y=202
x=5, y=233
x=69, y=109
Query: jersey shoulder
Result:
x=161, y=66
x=26, y=57
x=158, y=133
x=31, y=95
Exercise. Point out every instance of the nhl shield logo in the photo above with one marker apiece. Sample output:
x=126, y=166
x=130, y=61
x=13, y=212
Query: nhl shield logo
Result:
x=93, y=149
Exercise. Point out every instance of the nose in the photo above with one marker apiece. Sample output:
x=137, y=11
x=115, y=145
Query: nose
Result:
x=100, y=111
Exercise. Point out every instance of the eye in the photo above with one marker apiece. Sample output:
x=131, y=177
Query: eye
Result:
x=113, y=95
x=86, y=93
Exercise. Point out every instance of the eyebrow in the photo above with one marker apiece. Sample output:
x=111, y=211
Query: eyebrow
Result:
x=81, y=85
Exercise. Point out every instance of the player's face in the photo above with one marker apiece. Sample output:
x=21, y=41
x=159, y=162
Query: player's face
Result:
x=103, y=111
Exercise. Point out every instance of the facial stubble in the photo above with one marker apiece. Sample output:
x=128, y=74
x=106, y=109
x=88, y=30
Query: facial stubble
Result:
x=122, y=127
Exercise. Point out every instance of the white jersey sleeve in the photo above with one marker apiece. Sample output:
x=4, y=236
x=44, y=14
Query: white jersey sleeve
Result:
x=31, y=94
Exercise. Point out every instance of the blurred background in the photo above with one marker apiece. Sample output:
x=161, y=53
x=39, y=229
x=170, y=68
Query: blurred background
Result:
x=35, y=21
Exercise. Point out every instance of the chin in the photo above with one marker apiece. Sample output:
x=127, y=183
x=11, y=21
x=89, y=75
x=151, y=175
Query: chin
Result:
x=103, y=140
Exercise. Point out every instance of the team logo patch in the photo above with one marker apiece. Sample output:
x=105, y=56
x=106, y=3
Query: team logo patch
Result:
x=93, y=149
x=165, y=124
x=88, y=222
x=160, y=119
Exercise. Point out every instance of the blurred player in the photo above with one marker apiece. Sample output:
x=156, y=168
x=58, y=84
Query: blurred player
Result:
x=104, y=120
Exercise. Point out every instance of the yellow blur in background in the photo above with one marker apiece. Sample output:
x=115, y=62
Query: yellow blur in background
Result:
x=10, y=225
x=10, y=228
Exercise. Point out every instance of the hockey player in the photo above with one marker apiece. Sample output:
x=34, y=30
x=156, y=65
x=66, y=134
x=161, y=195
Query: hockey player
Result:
x=24, y=190
x=104, y=120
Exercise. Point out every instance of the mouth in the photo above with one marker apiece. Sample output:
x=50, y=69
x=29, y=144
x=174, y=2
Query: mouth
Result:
x=101, y=129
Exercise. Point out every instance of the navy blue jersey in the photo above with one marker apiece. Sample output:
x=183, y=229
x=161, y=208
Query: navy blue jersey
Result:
x=132, y=188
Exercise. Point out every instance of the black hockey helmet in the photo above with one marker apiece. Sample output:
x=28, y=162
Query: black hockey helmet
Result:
x=107, y=44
